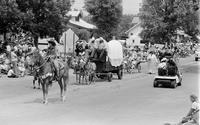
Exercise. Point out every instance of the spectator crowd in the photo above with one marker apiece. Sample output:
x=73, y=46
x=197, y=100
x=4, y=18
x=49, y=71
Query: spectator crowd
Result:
x=13, y=59
x=15, y=62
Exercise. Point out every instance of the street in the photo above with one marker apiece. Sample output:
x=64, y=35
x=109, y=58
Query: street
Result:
x=130, y=101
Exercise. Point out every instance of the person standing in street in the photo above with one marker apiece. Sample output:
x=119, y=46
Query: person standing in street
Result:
x=152, y=62
x=14, y=60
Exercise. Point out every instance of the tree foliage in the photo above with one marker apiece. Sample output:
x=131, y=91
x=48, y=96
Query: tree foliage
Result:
x=83, y=34
x=106, y=14
x=10, y=16
x=162, y=18
x=41, y=18
x=125, y=24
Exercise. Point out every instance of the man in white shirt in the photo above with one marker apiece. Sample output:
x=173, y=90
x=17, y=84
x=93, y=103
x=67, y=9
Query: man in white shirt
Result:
x=192, y=118
x=11, y=73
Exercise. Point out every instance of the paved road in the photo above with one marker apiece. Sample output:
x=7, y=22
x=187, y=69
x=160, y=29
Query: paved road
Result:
x=130, y=101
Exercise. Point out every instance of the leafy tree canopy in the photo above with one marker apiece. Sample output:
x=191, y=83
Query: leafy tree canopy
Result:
x=162, y=18
x=125, y=24
x=106, y=14
x=10, y=16
x=39, y=17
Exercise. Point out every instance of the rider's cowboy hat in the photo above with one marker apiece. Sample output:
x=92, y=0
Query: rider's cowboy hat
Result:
x=52, y=42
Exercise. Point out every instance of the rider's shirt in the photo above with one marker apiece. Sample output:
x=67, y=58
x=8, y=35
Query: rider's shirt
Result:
x=195, y=117
x=51, y=51
x=195, y=105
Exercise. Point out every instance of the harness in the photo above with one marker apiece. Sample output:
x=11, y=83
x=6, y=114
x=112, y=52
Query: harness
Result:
x=45, y=75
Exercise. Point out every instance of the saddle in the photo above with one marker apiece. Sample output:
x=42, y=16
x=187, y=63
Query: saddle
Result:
x=57, y=66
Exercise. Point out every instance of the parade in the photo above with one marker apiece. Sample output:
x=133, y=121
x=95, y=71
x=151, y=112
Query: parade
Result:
x=96, y=70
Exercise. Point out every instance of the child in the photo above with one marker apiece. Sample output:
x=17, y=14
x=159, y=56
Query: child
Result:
x=11, y=73
x=21, y=68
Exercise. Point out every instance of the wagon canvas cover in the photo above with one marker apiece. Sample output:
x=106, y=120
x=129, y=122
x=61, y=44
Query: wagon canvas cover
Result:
x=115, y=53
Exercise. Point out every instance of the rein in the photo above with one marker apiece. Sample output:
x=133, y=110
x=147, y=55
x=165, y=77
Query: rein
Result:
x=46, y=59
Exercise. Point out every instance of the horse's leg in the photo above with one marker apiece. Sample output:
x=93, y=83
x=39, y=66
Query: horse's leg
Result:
x=79, y=81
x=61, y=88
x=65, y=83
x=76, y=76
x=39, y=82
x=83, y=78
x=44, y=92
x=34, y=82
x=86, y=79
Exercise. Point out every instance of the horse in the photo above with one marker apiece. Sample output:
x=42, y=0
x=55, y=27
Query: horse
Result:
x=46, y=72
x=90, y=69
x=84, y=70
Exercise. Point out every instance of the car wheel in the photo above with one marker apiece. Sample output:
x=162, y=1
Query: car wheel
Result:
x=173, y=84
x=155, y=84
x=179, y=84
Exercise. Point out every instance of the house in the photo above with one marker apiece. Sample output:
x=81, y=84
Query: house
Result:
x=77, y=21
x=133, y=35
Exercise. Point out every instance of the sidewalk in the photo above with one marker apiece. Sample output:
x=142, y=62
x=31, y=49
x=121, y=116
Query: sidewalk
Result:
x=182, y=62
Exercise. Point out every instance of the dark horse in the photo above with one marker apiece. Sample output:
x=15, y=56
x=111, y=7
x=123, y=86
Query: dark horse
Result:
x=46, y=74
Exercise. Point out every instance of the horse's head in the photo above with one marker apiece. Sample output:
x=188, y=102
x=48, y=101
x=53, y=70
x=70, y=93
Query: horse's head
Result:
x=36, y=58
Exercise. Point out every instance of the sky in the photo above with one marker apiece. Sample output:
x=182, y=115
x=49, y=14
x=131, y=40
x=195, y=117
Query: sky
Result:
x=129, y=6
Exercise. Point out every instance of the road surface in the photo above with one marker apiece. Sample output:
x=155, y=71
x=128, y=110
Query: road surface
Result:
x=131, y=101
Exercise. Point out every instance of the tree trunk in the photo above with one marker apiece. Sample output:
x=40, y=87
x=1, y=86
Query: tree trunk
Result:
x=35, y=37
x=4, y=37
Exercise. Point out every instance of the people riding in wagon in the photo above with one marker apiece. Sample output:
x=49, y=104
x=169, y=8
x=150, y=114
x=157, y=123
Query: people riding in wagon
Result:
x=162, y=67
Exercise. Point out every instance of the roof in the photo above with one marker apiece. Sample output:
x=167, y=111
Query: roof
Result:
x=74, y=13
x=136, y=20
x=181, y=32
x=82, y=24
x=138, y=24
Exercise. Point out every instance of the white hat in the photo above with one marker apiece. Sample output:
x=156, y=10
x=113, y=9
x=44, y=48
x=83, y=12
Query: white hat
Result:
x=164, y=59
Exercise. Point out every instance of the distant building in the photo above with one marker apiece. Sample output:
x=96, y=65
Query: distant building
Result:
x=133, y=33
x=135, y=19
x=77, y=21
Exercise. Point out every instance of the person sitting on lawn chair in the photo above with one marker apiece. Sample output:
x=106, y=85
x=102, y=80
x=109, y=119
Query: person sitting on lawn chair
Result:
x=162, y=67
x=192, y=118
x=11, y=73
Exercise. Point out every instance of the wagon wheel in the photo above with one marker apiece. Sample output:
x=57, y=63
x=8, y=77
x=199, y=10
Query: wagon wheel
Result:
x=119, y=74
x=109, y=77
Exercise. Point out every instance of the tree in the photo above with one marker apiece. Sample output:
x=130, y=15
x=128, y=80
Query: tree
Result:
x=162, y=18
x=10, y=17
x=125, y=24
x=44, y=18
x=106, y=14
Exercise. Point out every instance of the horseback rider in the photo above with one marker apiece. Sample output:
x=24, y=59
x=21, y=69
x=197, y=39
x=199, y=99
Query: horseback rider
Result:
x=52, y=55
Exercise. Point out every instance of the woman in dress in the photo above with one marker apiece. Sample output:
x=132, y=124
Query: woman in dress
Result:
x=152, y=62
